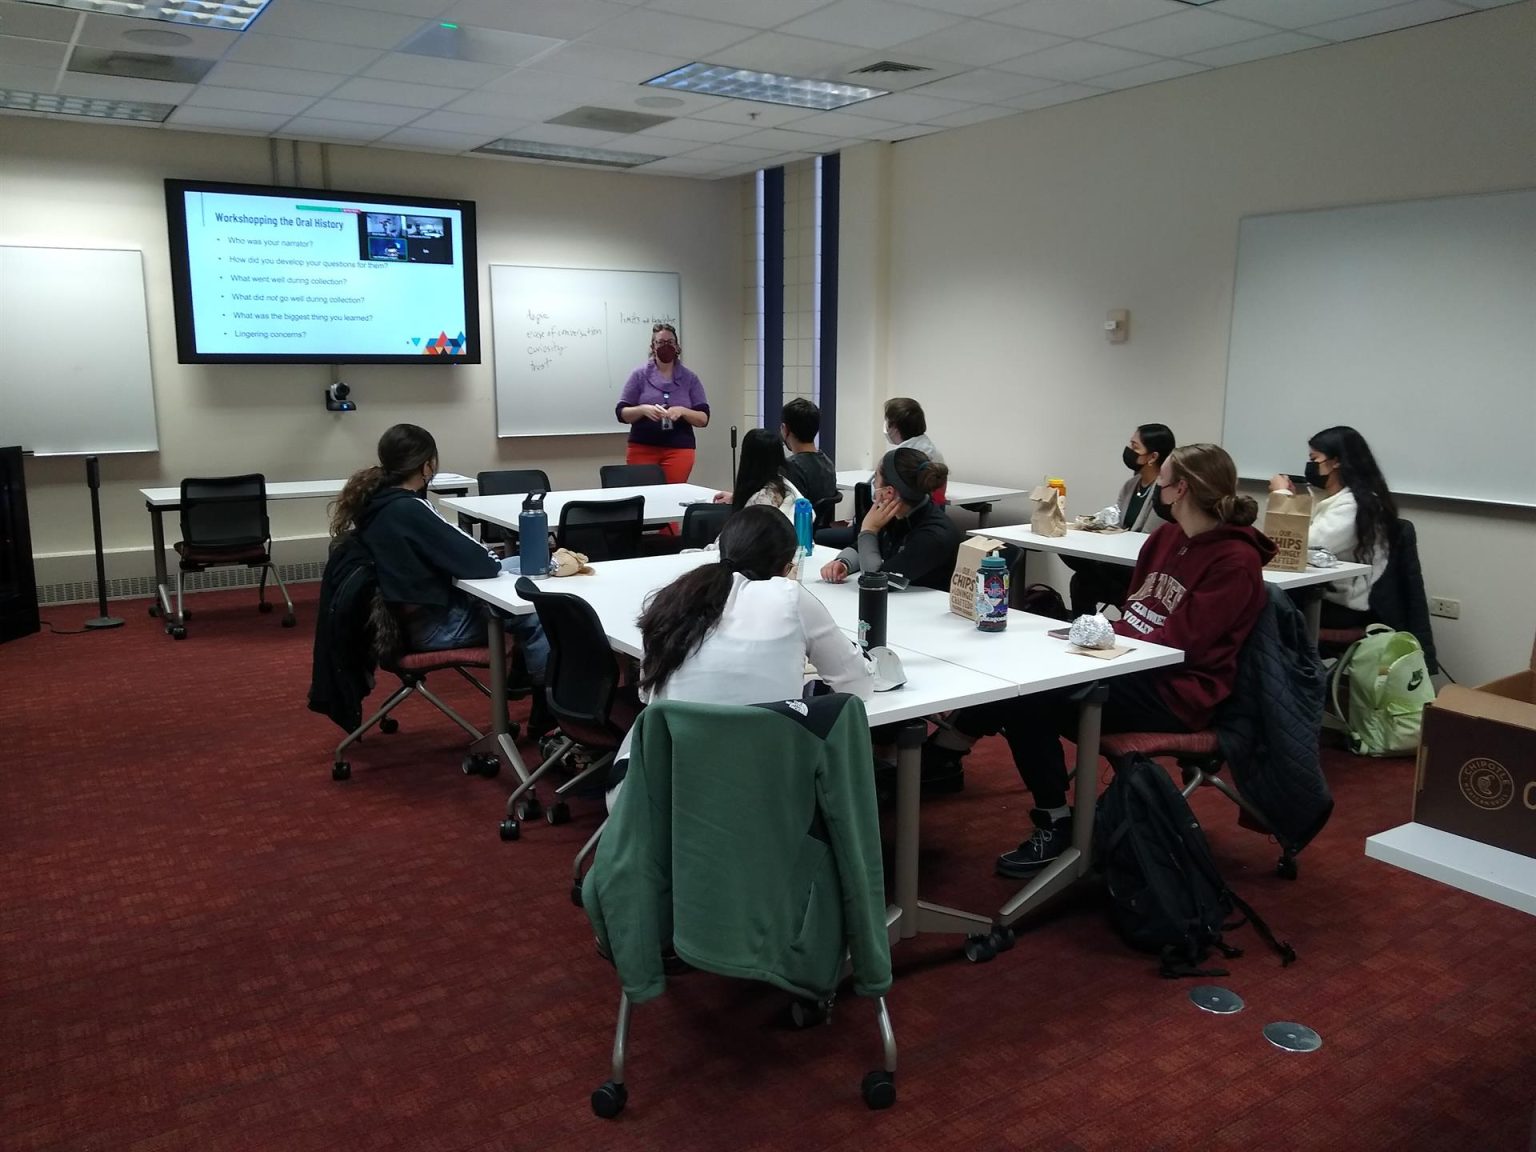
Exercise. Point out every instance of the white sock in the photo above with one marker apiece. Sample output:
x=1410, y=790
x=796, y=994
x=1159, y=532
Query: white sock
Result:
x=1058, y=815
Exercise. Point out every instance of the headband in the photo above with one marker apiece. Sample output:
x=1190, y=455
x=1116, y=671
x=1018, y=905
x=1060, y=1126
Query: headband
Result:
x=893, y=478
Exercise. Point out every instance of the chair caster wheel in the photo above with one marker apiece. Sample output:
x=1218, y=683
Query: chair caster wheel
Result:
x=548, y=746
x=514, y=731
x=879, y=1090
x=290, y=620
x=178, y=632
x=389, y=725
x=576, y=894
x=509, y=830
x=979, y=949
x=1001, y=938
x=490, y=767
x=609, y=1100
x=341, y=770
x=809, y=1013
x=529, y=808
x=1286, y=868
x=558, y=813
x=264, y=608
x=186, y=614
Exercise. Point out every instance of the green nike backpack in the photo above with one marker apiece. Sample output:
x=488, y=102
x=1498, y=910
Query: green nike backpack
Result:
x=1389, y=685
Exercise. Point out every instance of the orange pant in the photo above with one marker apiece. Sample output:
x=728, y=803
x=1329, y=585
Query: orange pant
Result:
x=676, y=463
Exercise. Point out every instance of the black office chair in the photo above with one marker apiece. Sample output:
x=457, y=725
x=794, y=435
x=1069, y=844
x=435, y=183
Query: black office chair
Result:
x=863, y=501
x=631, y=475
x=826, y=509
x=702, y=524
x=1398, y=599
x=224, y=525
x=508, y=482
x=587, y=701
x=602, y=529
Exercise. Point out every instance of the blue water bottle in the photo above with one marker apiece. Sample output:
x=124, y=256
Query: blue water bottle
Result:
x=992, y=594
x=805, y=531
x=533, y=536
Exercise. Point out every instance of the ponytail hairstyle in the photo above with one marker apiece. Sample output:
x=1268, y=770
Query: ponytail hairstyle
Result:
x=1375, y=510
x=403, y=451
x=759, y=543
x=912, y=474
x=762, y=465
x=1212, y=480
x=1156, y=438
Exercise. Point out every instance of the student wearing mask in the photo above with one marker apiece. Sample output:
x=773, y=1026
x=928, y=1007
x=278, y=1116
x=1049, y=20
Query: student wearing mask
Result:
x=1355, y=518
x=663, y=402
x=1096, y=582
x=806, y=465
x=907, y=427
x=904, y=532
x=760, y=477
x=1198, y=586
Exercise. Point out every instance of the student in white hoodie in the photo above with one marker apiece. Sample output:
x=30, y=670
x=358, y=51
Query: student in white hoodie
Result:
x=1354, y=518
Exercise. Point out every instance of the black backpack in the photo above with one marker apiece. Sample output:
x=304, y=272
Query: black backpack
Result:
x=1165, y=892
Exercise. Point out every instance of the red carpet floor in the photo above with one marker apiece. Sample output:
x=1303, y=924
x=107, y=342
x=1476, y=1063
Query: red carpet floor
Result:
x=206, y=944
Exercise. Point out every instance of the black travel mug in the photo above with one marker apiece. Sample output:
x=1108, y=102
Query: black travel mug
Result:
x=873, y=589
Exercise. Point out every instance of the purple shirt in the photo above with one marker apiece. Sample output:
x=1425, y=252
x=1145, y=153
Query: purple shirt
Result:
x=647, y=386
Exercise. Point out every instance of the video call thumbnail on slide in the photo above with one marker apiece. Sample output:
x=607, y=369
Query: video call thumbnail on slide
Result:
x=409, y=239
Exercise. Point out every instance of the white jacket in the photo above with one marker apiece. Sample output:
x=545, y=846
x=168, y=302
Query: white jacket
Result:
x=1333, y=528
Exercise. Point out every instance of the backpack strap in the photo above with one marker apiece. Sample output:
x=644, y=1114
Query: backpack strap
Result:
x=1287, y=953
x=1179, y=964
x=1340, y=669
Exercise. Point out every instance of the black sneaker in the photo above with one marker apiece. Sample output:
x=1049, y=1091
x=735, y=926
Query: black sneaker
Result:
x=1044, y=845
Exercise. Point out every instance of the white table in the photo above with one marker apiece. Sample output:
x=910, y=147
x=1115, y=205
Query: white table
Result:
x=978, y=497
x=1492, y=873
x=664, y=503
x=159, y=501
x=1123, y=548
x=949, y=665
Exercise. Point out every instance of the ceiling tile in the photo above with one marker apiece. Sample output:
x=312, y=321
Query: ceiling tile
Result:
x=1387, y=20
x=1183, y=33
x=1084, y=17
x=669, y=35
x=843, y=124
x=868, y=23
x=979, y=43
x=226, y=119
x=337, y=24
x=512, y=105
x=249, y=100
x=577, y=137
x=312, y=55
x=1277, y=44
x=787, y=140
x=392, y=92
x=911, y=132
x=1295, y=13
x=122, y=88
x=697, y=131
x=412, y=69
x=729, y=154
x=753, y=114
x=467, y=124
x=314, y=128
x=560, y=19
x=20, y=53
x=1061, y=94
x=909, y=108
x=107, y=32
x=964, y=7
x=605, y=63
x=428, y=140
x=983, y=86
x=788, y=55
x=266, y=79
x=680, y=166
x=25, y=79
x=329, y=109
x=37, y=23
x=1079, y=60
x=749, y=13
x=977, y=115
x=1149, y=74
x=421, y=9
x=657, y=145
x=478, y=45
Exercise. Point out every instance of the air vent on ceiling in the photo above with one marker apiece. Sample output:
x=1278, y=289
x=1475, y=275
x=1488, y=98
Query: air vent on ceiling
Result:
x=888, y=68
x=608, y=119
x=139, y=65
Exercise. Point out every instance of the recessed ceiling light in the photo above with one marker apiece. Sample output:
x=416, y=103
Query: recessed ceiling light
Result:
x=660, y=102
x=17, y=101
x=536, y=150
x=233, y=16
x=159, y=37
x=764, y=87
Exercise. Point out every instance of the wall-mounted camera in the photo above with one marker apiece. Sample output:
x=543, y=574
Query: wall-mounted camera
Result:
x=336, y=398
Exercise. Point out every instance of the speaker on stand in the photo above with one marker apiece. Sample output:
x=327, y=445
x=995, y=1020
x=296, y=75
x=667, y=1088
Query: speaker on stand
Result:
x=93, y=478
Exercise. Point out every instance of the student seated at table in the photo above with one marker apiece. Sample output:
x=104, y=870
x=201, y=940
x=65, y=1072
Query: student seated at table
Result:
x=740, y=630
x=1198, y=586
x=760, y=479
x=1355, y=519
x=418, y=555
x=907, y=427
x=904, y=532
x=1096, y=582
x=807, y=466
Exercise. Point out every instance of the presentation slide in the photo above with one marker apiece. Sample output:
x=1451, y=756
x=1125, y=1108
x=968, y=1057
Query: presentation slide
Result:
x=291, y=275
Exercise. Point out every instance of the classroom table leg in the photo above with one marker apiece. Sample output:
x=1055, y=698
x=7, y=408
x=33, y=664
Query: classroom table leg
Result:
x=1073, y=864
x=1313, y=613
x=162, y=604
x=499, y=742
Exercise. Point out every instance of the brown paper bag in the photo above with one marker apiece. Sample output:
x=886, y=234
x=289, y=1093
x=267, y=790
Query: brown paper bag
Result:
x=962, y=585
x=1050, y=515
x=1288, y=521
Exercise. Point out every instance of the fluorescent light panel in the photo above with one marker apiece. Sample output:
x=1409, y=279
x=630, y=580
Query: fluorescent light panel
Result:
x=15, y=101
x=536, y=150
x=764, y=87
x=232, y=16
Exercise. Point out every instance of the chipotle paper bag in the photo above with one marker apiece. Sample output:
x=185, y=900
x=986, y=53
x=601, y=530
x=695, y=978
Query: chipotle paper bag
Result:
x=1287, y=521
x=962, y=585
x=1050, y=515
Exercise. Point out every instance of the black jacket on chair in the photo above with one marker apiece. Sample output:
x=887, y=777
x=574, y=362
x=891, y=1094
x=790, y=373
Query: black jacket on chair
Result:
x=342, y=675
x=1398, y=599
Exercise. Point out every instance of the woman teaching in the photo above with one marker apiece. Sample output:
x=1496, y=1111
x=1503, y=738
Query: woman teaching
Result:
x=663, y=402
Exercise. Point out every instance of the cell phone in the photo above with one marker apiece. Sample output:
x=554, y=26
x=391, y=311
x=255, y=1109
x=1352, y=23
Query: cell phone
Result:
x=1060, y=633
x=1299, y=483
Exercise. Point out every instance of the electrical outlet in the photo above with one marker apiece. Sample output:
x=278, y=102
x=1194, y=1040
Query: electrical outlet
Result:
x=1442, y=607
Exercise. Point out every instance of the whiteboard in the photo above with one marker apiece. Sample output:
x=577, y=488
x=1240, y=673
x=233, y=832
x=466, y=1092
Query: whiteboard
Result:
x=77, y=376
x=1413, y=322
x=566, y=339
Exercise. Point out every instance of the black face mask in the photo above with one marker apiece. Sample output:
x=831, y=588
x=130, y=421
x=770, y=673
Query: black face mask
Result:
x=1163, y=510
x=1314, y=474
x=1129, y=457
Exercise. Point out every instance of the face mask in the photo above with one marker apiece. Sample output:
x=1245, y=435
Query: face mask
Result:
x=1163, y=510
x=1129, y=458
x=1314, y=474
x=892, y=436
x=666, y=353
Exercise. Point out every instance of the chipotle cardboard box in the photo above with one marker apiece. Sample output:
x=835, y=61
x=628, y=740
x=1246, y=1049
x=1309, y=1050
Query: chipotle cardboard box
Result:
x=1477, y=762
x=1288, y=521
x=962, y=585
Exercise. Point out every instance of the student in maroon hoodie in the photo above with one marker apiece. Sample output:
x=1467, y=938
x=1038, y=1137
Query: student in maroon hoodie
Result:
x=1198, y=586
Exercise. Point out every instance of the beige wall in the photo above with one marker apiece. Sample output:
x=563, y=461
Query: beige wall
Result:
x=1007, y=243
x=81, y=185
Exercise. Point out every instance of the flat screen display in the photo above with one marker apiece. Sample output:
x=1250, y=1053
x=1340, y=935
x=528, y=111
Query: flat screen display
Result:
x=267, y=275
